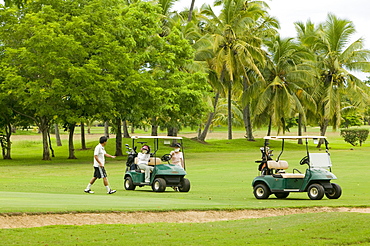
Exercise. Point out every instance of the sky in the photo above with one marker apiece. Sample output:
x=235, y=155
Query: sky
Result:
x=289, y=11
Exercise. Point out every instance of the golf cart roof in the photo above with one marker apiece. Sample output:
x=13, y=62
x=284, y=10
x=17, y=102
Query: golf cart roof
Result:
x=155, y=137
x=294, y=137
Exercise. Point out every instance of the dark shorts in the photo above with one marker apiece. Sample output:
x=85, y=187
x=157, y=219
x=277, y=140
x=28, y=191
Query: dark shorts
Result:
x=100, y=172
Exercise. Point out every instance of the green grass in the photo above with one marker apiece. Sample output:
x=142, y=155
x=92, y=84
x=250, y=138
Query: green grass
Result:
x=220, y=172
x=299, y=229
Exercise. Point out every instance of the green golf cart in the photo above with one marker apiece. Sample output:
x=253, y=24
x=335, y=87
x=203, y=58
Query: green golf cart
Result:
x=316, y=180
x=164, y=173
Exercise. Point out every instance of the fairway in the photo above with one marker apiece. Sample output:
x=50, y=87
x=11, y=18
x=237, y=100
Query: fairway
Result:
x=220, y=173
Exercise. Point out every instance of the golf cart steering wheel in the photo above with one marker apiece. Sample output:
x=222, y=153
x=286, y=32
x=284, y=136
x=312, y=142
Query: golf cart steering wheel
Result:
x=166, y=157
x=304, y=160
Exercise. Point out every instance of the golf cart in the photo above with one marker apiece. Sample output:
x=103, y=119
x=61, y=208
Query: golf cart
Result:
x=315, y=180
x=164, y=173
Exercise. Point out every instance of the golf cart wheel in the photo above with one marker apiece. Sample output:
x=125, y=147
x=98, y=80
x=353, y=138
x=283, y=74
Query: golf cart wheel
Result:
x=159, y=185
x=261, y=191
x=281, y=195
x=129, y=185
x=185, y=185
x=335, y=192
x=315, y=192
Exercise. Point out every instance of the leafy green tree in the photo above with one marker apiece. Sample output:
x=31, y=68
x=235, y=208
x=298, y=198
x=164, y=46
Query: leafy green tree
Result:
x=51, y=71
x=18, y=3
x=335, y=58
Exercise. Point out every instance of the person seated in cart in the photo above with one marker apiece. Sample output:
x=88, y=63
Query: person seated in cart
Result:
x=143, y=159
x=177, y=158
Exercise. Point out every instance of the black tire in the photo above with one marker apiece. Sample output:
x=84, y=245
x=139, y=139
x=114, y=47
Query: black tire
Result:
x=281, y=195
x=335, y=192
x=128, y=184
x=159, y=185
x=185, y=185
x=316, y=192
x=261, y=191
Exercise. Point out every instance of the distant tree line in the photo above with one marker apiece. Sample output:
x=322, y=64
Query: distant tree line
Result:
x=136, y=62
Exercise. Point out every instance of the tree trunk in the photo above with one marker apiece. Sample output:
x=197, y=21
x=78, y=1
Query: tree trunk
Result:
x=300, y=141
x=172, y=131
x=248, y=123
x=106, y=129
x=51, y=148
x=71, y=148
x=83, y=139
x=6, y=144
x=119, y=138
x=229, y=112
x=323, y=128
x=44, y=129
x=154, y=127
x=154, y=130
x=269, y=127
x=199, y=131
x=203, y=135
x=57, y=135
x=191, y=10
x=125, y=130
x=89, y=125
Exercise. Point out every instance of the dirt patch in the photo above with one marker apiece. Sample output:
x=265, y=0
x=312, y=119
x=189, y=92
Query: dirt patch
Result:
x=27, y=220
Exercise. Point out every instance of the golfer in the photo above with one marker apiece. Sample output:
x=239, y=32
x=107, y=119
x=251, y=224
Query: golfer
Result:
x=99, y=170
x=143, y=161
x=177, y=158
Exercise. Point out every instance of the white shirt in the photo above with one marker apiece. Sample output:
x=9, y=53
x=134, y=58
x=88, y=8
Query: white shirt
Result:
x=100, y=152
x=143, y=158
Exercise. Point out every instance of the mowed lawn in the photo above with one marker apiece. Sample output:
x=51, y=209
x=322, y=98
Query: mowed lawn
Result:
x=220, y=173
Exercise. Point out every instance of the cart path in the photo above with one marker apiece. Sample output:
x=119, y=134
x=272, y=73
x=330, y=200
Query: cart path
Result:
x=37, y=220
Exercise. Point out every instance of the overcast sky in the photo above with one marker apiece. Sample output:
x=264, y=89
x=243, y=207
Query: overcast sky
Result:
x=290, y=11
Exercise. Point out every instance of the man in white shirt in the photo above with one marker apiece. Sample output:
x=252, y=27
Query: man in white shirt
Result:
x=99, y=170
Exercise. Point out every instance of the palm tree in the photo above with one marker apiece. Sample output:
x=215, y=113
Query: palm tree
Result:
x=233, y=55
x=284, y=92
x=335, y=59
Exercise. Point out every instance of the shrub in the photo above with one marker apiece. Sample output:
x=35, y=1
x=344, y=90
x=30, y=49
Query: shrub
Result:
x=353, y=136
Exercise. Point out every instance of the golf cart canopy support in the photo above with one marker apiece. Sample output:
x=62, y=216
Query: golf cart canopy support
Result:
x=267, y=138
x=156, y=137
x=294, y=137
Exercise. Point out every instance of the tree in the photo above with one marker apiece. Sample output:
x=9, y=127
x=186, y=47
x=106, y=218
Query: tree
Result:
x=335, y=58
x=48, y=66
x=235, y=52
x=284, y=93
x=18, y=3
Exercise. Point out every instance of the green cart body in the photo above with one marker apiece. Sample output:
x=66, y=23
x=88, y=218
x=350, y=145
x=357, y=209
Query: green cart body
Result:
x=316, y=180
x=163, y=174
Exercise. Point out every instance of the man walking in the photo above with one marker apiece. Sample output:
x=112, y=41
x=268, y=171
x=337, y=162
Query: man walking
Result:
x=99, y=170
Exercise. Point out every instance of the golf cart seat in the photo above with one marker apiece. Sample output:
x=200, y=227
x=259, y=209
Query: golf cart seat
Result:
x=152, y=161
x=283, y=165
x=320, y=160
x=277, y=165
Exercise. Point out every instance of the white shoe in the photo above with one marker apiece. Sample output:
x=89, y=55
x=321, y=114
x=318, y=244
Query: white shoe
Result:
x=111, y=192
x=89, y=191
